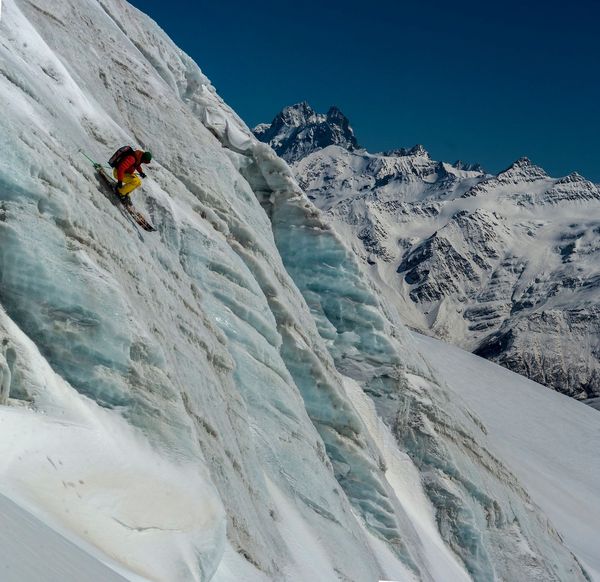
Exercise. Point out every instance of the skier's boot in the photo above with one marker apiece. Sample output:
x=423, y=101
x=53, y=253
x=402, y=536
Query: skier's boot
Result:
x=124, y=198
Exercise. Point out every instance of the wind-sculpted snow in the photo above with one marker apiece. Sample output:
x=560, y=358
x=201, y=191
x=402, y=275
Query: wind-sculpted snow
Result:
x=181, y=403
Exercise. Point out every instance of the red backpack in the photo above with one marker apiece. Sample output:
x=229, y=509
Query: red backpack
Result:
x=119, y=155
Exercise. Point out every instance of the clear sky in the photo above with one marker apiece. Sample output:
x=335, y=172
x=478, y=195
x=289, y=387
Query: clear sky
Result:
x=482, y=81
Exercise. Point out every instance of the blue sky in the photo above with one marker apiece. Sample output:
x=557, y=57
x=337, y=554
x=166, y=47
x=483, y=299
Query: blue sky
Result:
x=481, y=81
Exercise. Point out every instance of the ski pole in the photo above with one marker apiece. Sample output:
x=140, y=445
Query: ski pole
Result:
x=90, y=159
x=86, y=156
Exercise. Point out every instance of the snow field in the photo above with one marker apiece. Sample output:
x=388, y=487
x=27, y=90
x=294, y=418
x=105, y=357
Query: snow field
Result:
x=30, y=551
x=550, y=441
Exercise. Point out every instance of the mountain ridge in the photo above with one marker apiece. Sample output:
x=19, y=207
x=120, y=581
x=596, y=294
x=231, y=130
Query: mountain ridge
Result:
x=443, y=236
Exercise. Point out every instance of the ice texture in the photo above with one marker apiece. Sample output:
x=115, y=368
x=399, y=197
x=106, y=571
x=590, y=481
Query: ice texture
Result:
x=229, y=397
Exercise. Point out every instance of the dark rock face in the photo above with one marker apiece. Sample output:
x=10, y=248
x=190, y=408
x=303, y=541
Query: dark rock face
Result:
x=371, y=237
x=507, y=265
x=420, y=269
x=460, y=165
x=547, y=347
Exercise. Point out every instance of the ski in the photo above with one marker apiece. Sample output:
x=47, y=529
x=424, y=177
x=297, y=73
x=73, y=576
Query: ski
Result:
x=139, y=218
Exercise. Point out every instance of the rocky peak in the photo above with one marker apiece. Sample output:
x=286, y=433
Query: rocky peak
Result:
x=298, y=131
x=571, y=188
x=573, y=178
x=292, y=116
x=335, y=114
x=466, y=167
x=416, y=150
x=522, y=162
x=522, y=170
x=295, y=115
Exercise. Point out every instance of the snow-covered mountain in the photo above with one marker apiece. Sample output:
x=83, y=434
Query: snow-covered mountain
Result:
x=506, y=266
x=229, y=397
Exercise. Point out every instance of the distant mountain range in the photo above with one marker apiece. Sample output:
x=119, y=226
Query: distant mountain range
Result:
x=506, y=266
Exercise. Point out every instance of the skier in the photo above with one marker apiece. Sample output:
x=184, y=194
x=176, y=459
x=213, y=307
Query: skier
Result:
x=126, y=163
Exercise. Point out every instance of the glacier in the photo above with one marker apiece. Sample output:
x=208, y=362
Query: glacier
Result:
x=229, y=397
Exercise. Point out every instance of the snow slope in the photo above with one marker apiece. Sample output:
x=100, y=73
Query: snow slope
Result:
x=30, y=551
x=550, y=441
x=229, y=397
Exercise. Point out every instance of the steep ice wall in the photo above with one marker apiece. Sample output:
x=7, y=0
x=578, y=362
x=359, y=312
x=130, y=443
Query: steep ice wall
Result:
x=173, y=332
x=177, y=333
x=184, y=394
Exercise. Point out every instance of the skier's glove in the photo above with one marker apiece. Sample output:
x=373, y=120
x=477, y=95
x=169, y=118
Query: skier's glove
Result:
x=142, y=174
x=119, y=184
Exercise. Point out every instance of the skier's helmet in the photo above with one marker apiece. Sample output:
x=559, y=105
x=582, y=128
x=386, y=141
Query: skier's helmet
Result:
x=146, y=157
